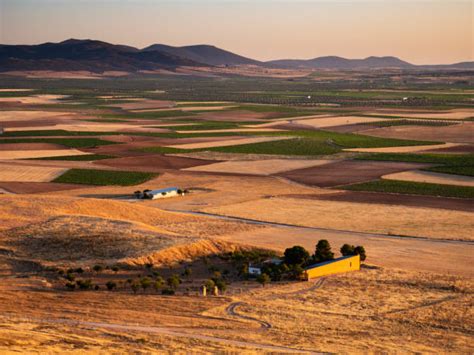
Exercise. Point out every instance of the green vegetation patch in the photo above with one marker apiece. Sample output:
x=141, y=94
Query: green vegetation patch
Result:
x=147, y=115
x=406, y=122
x=297, y=146
x=88, y=157
x=104, y=177
x=68, y=142
x=413, y=188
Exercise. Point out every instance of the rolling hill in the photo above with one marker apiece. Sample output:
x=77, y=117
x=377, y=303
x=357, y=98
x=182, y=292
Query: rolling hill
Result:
x=334, y=62
x=206, y=54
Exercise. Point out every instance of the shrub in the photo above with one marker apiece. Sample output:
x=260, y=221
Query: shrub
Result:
x=159, y=283
x=135, y=286
x=167, y=291
x=209, y=284
x=115, y=268
x=98, y=268
x=70, y=277
x=71, y=286
x=96, y=287
x=263, y=279
x=84, y=284
x=145, y=282
x=79, y=270
x=110, y=285
x=221, y=285
x=173, y=281
x=187, y=271
x=323, y=251
x=296, y=255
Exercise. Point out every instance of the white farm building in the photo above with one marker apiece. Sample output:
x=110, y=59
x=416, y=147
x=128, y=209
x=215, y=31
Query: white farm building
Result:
x=160, y=193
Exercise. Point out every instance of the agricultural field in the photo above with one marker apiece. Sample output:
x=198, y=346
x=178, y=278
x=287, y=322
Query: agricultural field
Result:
x=261, y=163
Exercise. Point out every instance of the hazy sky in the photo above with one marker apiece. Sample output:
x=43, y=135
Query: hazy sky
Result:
x=420, y=31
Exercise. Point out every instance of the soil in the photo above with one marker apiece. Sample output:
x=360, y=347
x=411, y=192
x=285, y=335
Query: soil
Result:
x=393, y=199
x=36, y=187
x=347, y=172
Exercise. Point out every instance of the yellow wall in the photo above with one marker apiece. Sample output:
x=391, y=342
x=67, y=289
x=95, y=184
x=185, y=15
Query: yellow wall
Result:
x=336, y=267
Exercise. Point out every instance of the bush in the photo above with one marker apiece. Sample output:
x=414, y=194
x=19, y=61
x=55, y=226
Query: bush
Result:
x=79, y=270
x=323, y=252
x=135, y=286
x=187, y=271
x=145, y=283
x=173, y=281
x=71, y=286
x=70, y=277
x=159, y=283
x=115, y=268
x=84, y=284
x=209, y=284
x=263, y=279
x=221, y=285
x=167, y=292
x=98, y=268
x=110, y=285
x=296, y=255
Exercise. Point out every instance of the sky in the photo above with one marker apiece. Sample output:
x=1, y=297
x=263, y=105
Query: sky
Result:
x=419, y=31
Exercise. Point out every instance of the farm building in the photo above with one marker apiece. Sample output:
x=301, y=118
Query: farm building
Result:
x=336, y=266
x=159, y=193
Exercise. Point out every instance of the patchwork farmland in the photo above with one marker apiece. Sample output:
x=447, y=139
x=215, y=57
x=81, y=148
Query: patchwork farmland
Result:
x=260, y=165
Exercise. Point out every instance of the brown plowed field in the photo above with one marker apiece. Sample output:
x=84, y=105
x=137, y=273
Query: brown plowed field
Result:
x=232, y=116
x=393, y=199
x=36, y=187
x=467, y=149
x=153, y=163
x=460, y=133
x=347, y=172
x=30, y=146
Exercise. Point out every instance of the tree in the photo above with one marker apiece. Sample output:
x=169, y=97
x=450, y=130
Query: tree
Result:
x=347, y=249
x=210, y=284
x=79, y=270
x=173, y=281
x=135, y=286
x=187, y=271
x=71, y=286
x=221, y=285
x=296, y=255
x=110, y=285
x=159, y=283
x=323, y=251
x=70, y=277
x=115, y=268
x=145, y=282
x=98, y=268
x=360, y=250
x=263, y=279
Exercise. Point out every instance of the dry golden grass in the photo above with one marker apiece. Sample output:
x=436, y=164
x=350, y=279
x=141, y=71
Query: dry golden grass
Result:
x=457, y=114
x=400, y=220
x=259, y=167
x=381, y=310
x=28, y=173
x=26, y=154
x=338, y=121
x=432, y=178
x=29, y=115
x=406, y=149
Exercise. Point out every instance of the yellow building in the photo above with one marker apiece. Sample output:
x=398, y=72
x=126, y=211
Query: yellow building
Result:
x=336, y=266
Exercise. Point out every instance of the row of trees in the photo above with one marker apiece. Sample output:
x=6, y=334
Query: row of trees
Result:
x=298, y=255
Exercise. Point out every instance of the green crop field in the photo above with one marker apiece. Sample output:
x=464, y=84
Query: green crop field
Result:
x=68, y=142
x=413, y=188
x=407, y=122
x=457, y=170
x=297, y=146
x=104, y=177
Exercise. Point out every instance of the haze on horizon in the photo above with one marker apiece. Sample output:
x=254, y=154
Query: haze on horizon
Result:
x=420, y=31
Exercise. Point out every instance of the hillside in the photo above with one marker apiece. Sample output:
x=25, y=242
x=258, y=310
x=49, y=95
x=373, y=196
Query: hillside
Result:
x=205, y=54
x=91, y=55
x=334, y=62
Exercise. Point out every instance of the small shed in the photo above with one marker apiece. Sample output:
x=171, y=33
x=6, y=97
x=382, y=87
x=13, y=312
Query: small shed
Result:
x=336, y=266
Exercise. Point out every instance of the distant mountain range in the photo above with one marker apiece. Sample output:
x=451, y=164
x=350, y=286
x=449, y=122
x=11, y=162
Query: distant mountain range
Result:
x=98, y=56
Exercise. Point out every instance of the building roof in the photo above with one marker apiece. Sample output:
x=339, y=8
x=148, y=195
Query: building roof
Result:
x=329, y=262
x=159, y=191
